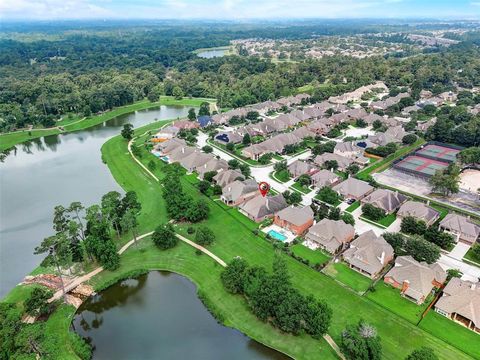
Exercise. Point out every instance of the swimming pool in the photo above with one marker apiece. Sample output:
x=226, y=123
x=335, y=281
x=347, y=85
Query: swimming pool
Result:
x=276, y=235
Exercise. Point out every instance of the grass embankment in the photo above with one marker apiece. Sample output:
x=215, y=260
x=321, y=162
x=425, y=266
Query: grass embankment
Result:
x=399, y=337
x=75, y=123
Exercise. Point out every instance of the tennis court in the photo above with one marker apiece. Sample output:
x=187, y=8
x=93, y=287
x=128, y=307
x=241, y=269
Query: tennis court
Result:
x=420, y=165
x=438, y=152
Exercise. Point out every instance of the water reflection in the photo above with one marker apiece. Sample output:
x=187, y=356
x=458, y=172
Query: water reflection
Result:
x=37, y=175
x=159, y=316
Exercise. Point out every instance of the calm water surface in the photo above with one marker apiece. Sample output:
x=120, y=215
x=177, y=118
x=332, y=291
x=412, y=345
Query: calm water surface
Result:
x=212, y=53
x=54, y=170
x=159, y=316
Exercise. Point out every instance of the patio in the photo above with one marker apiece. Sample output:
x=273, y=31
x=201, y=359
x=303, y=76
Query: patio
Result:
x=277, y=232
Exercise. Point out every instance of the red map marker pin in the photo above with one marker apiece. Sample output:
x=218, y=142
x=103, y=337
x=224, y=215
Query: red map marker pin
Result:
x=263, y=187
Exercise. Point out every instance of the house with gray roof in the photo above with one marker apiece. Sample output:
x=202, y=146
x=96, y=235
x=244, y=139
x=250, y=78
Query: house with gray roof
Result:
x=348, y=149
x=370, y=118
x=353, y=189
x=180, y=153
x=299, y=114
x=387, y=200
x=195, y=160
x=295, y=219
x=238, y=192
x=168, y=146
x=226, y=137
x=368, y=254
x=358, y=113
x=303, y=132
x=342, y=161
x=463, y=228
x=415, y=280
x=211, y=165
x=460, y=302
x=330, y=235
x=260, y=207
x=226, y=177
x=419, y=211
x=318, y=127
x=299, y=167
x=325, y=178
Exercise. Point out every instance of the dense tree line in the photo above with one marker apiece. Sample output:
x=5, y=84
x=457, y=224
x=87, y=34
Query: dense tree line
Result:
x=272, y=298
x=181, y=206
x=43, y=80
x=415, y=246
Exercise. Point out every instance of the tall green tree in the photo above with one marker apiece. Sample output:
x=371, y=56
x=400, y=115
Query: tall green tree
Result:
x=127, y=131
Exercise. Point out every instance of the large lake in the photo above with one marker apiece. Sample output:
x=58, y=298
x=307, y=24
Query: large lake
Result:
x=159, y=316
x=54, y=170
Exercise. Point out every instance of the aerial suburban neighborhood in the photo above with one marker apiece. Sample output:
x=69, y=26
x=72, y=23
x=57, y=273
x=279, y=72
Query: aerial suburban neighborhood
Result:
x=240, y=180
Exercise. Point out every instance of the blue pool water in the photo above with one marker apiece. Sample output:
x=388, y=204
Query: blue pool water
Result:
x=276, y=235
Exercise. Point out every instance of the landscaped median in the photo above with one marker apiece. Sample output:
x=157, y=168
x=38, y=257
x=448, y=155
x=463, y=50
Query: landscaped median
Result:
x=9, y=140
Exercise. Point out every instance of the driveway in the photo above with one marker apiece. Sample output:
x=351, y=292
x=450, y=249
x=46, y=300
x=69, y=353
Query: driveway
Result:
x=470, y=272
x=363, y=226
x=459, y=251
x=395, y=226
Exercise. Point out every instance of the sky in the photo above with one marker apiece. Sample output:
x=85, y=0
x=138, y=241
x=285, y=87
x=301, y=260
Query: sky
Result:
x=236, y=9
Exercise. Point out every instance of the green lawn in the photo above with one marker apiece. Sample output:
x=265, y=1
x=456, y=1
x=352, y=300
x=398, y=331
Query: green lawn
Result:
x=341, y=272
x=313, y=256
x=72, y=124
x=390, y=298
x=470, y=256
x=235, y=238
x=384, y=163
x=302, y=189
x=335, y=204
x=384, y=222
x=277, y=157
x=353, y=206
x=282, y=175
x=452, y=333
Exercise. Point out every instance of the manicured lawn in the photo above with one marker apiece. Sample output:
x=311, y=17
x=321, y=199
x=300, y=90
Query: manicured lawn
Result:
x=353, y=207
x=470, y=256
x=282, y=175
x=452, y=333
x=313, y=256
x=302, y=189
x=237, y=239
x=335, y=204
x=341, y=272
x=383, y=164
x=383, y=222
x=443, y=211
x=277, y=157
x=399, y=337
x=10, y=139
x=232, y=310
x=390, y=298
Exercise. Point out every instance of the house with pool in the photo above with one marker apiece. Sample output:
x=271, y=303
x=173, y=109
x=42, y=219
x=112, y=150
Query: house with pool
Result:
x=295, y=219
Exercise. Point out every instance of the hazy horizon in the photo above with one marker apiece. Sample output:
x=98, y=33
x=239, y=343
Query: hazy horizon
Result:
x=37, y=10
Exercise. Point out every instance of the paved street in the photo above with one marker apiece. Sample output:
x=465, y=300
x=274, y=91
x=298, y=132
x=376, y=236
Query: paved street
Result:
x=470, y=272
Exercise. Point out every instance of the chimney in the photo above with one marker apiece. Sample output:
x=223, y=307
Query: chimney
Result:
x=267, y=203
x=382, y=258
x=183, y=150
x=405, y=285
x=229, y=188
x=428, y=202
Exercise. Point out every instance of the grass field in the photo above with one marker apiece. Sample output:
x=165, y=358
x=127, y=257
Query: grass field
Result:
x=384, y=222
x=390, y=298
x=313, y=256
x=281, y=176
x=236, y=238
x=470, y=256
x=452, y=333
x=399, y=337
x=302, y=189
x=353, y=206
x=341, y=272
x=75, y=123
